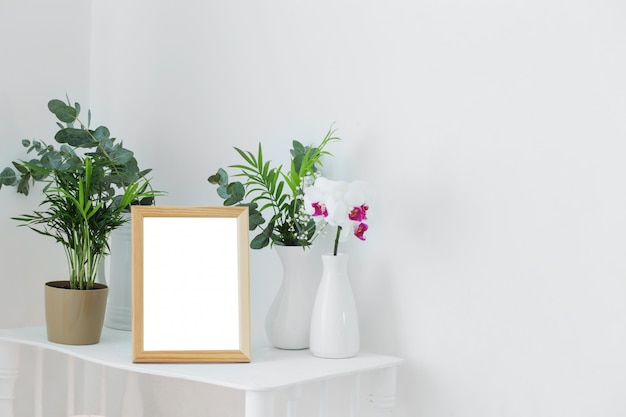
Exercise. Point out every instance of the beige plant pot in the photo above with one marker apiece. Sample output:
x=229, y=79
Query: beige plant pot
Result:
x=74, y=317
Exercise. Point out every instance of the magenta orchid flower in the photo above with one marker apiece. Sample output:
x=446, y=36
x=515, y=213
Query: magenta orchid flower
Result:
x=358, y=213
x=341, y=204
x=319, y=210
x=360, y=229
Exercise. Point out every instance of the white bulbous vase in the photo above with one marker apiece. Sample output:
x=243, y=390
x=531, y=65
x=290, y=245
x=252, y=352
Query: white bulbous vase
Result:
x=334, y=320
x=288, y=320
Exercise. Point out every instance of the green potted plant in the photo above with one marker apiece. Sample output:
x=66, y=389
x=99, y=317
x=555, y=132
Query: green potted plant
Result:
x=89, y=180
x=275, y=199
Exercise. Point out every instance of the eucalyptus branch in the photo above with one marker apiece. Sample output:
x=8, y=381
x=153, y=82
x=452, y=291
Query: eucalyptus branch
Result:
x=113, y=164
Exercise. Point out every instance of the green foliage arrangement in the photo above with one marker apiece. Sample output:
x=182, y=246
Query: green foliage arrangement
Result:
x=90, y=180
x=270, y=190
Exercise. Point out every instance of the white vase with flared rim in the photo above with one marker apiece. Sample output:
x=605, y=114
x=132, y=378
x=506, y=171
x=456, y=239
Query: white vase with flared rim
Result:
x=288, y=320
x=334, y=320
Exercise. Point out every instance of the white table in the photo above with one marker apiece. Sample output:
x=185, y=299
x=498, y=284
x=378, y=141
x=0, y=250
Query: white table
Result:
x=270, y=370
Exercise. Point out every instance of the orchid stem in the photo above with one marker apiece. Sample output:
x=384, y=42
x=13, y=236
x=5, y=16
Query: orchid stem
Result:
x=337, y=240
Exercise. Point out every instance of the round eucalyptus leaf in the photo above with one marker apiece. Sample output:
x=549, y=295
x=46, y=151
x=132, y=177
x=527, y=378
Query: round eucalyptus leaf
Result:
x=222, y=192
x=236, y=190
x=67, y=149
x=51, y=160
x=214, y=179
x=255, y=220
x=222, y=176
x=23, y=185
x=63, y=112
x=75, y=137
x=219, y=178
x=121, y=156
x=260, y=241
x=7, y=176
x=101, y=133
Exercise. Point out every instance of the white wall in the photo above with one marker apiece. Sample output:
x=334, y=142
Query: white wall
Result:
x=45, y=54
x=493, y=132
x=45, y=49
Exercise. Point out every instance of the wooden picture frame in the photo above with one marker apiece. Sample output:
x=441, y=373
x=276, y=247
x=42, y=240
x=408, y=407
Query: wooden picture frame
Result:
x=191, y=284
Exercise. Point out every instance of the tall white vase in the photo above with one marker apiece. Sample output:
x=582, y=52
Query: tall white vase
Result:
x=335, y=321
x=288, y=320
x=119, y=307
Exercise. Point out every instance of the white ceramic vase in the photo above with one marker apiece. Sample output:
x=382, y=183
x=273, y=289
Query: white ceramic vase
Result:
x=288, y=320
x=119, y=307
x=334, y=320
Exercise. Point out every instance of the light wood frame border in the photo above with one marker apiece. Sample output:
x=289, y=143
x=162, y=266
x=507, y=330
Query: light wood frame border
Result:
x=138, y=214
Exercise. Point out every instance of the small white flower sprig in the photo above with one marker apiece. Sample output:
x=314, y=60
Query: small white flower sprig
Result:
x=341, y=204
